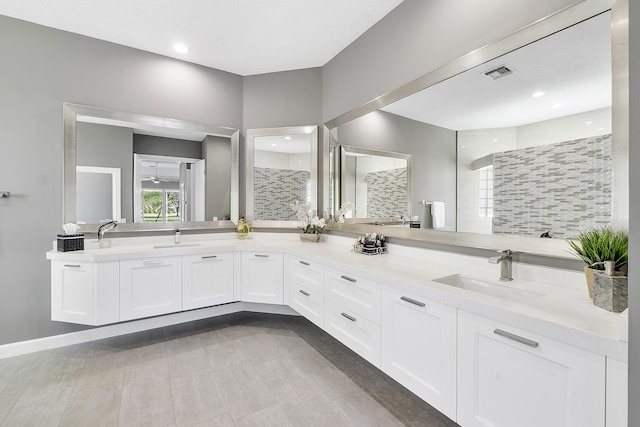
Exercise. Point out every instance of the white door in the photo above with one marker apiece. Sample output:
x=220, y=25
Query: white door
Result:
x=510, y=377
x=207, y=279
x=199, y=194
x=149, y=287
x=263, y=277
x=419, y=347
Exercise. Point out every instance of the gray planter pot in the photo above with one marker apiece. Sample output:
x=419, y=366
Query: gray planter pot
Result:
x=610, y=292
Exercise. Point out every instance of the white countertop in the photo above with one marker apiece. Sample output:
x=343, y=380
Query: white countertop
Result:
x=562, y=313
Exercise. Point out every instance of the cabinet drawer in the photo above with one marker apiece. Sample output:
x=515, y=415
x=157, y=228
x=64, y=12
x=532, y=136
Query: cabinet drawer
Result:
x=308, y=302
x=354, y=331
x=308, y=274
x=354, y=293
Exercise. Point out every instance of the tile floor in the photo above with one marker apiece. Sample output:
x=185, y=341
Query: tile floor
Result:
x=243, y=369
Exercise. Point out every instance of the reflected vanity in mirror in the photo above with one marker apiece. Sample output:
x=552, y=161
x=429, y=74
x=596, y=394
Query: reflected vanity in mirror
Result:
x=519, y=136
x=169, y=170
x=377, y=183
x=281, y=170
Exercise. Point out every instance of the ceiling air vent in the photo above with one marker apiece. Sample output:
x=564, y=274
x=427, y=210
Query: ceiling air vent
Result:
x=501, y=71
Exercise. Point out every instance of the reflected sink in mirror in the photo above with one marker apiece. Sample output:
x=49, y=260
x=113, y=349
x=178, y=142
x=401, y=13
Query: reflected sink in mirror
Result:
x=490, y=288
x=174, y=245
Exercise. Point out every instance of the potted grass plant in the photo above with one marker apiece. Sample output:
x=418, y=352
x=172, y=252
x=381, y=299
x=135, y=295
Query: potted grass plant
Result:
x=597, y=245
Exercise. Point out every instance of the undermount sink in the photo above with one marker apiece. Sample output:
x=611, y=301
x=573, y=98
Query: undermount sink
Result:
x=490, y=288
x=174, y=245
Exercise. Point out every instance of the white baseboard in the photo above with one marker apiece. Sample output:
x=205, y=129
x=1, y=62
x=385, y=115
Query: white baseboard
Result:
x=56, y=341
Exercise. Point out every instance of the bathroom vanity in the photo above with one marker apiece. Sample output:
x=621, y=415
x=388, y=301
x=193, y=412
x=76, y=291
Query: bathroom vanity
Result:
x=480, y=358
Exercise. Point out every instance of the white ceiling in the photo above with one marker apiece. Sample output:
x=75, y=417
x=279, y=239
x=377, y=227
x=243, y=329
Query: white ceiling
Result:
x=245, y=37
x=572, y=67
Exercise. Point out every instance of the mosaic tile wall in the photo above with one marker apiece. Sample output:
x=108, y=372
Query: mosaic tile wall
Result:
x=563, y=187
x=276, y=189
x=387, y=193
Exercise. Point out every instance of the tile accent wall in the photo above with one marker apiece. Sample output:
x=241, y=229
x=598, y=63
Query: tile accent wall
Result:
x=276, y=189
x=563, y=187
x=387, y=193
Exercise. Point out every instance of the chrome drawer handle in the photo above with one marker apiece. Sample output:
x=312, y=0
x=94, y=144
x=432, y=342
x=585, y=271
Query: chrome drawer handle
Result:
x=516, y=338
x=261, y=256
x=72, y=265
x=353, y=319
x=350, y=279
x=209, y=257
x=306, y=294
x=304, y=262
x=412, y=301
x=153, y=262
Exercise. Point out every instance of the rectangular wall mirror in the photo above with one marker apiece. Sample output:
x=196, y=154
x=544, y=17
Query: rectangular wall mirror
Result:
x=520, y=143
x=281, y=171
x=170, y=171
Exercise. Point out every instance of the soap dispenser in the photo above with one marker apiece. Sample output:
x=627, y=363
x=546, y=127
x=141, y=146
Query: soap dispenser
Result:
x=243, y=229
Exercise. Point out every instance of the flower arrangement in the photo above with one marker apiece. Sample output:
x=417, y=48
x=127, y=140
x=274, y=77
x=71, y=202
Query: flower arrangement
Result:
x=311, y=224
x=342, y=211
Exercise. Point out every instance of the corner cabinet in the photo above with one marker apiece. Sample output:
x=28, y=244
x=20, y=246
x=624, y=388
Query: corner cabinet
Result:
x=419, y=347
x=149, y=287
x=510, y=377
x=207, y=279
x=263, y=277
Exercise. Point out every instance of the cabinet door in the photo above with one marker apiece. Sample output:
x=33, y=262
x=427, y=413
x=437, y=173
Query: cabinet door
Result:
x=149, y=287
x=419, y=347
x=509, y=377
x=207, y=279
x=86, y=293
x=263, y=277
x=617, y=393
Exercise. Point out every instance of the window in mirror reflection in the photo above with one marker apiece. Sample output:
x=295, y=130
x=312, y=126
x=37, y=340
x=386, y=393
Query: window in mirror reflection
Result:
x=282, y=175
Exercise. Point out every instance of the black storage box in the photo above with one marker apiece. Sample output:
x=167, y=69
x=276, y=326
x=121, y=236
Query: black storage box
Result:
x=70, y=242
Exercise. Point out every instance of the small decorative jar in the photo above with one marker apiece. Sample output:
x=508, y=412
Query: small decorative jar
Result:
x=243, y=229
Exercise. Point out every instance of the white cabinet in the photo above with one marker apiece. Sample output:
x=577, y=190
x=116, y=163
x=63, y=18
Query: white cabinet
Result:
x=419, y=347
x=510, y=377
x=149, y=287
x=84, y=292
x=352, y=313
x=307, y=289
x=617, y=393
x=207, y=279
x=263, y=277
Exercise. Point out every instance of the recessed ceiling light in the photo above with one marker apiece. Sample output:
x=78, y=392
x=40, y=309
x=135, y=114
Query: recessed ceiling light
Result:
x=496, y=140
x=600, y=129
x=556, y=105
x=273, y=145
x=287, y=137
x=179, y=47
x=588, y=122
x=537, y=94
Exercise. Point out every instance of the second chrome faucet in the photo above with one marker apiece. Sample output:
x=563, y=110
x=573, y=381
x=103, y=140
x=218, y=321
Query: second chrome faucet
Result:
x=504, y=259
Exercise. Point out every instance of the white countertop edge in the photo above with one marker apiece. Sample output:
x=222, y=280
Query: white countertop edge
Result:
x=564, y=315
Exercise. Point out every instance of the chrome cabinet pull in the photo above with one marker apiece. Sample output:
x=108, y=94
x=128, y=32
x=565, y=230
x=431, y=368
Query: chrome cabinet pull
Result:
x=412, y=301
x=304, y=262
x=209, y=257
x=306, y=294
x=516, y=338
x=154, y=262
x=72, y=265
x=350, y=279
x=353, y=319
x=261, y=256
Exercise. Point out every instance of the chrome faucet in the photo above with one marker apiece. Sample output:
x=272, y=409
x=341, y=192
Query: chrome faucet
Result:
x=504, y=259
x=109, y=225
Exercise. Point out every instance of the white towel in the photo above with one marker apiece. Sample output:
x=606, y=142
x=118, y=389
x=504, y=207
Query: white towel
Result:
x=438, y=214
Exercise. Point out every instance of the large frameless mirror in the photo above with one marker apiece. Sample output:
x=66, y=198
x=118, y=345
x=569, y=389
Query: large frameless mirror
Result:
x=281, y=171
x=147, y=170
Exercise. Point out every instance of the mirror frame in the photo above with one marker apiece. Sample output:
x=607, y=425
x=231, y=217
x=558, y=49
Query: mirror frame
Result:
x=312, y=131
x=70, y=114
x=542, y=28
x=344, y=149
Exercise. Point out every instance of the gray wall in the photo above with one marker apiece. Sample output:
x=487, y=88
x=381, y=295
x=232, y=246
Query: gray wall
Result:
x=109, y=146
x=41, y=69
x=217, y=152
x=432, y=149
x=634, y=220
x=161, y=146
